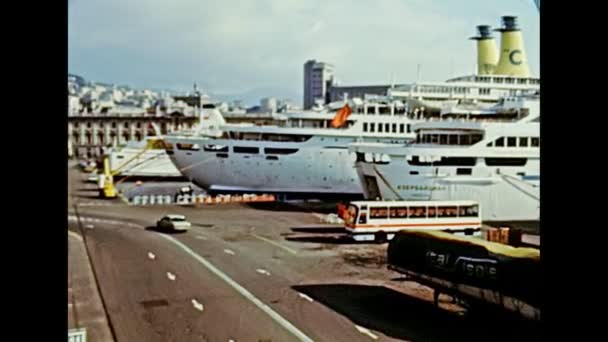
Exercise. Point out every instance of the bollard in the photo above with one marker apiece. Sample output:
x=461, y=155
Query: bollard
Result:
x=152, y=199
x=515, y=237
x=160, y=199
x=137, y=200
x=504, y=235
x=144, y=200
x=167, y=199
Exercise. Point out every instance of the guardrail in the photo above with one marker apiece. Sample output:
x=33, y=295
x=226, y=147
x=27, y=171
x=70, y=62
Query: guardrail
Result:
x=198, y=199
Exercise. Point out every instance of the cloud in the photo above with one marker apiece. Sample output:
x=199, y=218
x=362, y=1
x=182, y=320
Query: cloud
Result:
x=237, y=45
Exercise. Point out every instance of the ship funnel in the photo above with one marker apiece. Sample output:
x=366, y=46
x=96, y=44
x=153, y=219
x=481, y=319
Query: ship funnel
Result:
x=512, y=60
x=487, y=54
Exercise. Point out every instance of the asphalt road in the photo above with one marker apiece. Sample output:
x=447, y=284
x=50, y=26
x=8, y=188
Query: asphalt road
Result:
x=269, y=273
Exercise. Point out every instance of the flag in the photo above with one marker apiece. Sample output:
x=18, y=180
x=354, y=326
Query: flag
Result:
x=341, y=116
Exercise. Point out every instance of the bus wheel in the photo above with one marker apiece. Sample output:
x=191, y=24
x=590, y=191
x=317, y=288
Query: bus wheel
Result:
x=380, y=237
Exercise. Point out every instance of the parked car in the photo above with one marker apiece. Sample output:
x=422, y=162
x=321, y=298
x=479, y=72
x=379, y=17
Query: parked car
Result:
x=173, y=222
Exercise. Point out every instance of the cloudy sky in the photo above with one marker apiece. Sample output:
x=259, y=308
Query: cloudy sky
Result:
x=258, y=47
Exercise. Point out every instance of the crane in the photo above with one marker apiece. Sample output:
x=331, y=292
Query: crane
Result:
x=106, y=179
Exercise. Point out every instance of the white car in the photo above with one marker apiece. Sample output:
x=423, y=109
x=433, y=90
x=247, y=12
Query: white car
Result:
x=173, y=222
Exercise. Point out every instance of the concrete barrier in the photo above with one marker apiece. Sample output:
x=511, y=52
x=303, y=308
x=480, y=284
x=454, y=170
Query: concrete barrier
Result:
x=185, y=199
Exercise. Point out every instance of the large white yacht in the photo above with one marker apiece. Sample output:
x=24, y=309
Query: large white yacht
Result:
x=301, y=157
x=491, y=158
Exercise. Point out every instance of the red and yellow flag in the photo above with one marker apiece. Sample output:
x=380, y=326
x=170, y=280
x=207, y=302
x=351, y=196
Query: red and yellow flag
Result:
x=341, y=116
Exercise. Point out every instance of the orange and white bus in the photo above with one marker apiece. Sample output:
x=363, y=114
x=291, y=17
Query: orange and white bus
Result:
x=380, y=220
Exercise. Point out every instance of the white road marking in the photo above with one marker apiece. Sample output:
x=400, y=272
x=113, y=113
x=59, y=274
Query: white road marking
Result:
x=70, y=305
x=171, y=276
x=89, y=226
x=263, y=271
x=151, y=256
x=197, y=305
x=75, y=235
x=200, y=237
x=275, y=243
x=306, y=297
x=244, y=292
x=227, y=251
x=366, y=332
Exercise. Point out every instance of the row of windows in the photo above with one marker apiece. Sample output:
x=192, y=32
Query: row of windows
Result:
x=424, y=212
x=449, y=139
x=236, y=149
x=125, y=125
x=446, y=161
x=371, y=127
x=506, y=80
x=515, y=142
x=468, y=161
x=380, y=110
x=225, y=155
x=88, y=139
x=266, y=137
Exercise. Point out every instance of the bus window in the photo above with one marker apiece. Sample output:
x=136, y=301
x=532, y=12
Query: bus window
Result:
x=402, y=212
x=419, y=212
x=382, y=213
x=432, y=212
x=447, y=211
x=469, y=211
x=363, y=218
x=398, y=212
x=378, y=213
x=393, y=212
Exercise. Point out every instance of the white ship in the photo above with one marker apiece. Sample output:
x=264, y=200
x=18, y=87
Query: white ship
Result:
x=495, y=79
x=149, y=157
x=146, y=158
x=302, y=157
x=491, y=158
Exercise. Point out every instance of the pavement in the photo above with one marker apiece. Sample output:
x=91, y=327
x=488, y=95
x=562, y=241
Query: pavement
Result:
x=85, y=307
x=257, y=272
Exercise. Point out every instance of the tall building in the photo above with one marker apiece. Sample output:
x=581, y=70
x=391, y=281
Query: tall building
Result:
x=318, y=78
